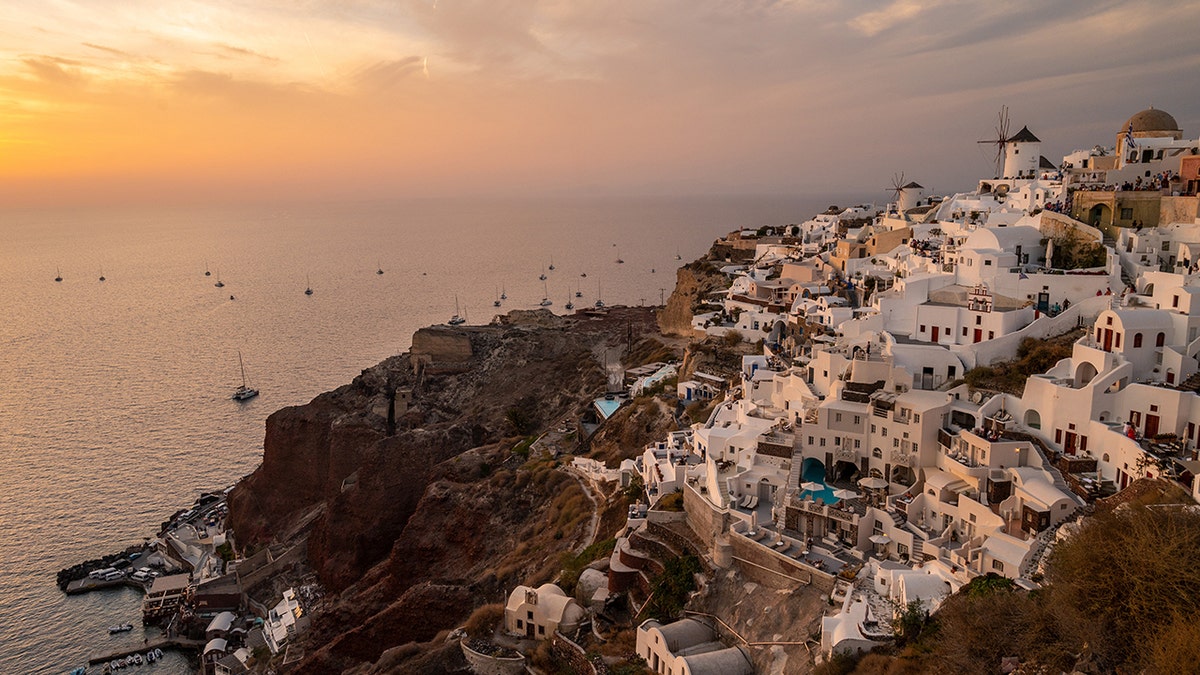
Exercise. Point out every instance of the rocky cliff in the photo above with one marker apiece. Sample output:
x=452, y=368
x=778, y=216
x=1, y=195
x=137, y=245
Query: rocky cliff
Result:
x=417, y=520
x=694, y=283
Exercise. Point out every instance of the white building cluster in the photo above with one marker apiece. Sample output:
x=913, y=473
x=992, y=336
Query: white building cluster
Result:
x=852, y=448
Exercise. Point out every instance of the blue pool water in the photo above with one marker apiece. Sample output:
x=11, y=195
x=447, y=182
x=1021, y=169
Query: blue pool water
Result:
x=813, y=471
x=607, y=407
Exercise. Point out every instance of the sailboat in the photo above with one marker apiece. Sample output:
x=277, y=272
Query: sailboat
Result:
x=620, y=261
x=243, y=392
x=219, y=283
x=599, y=302
x=380, y=268
x=58, y=275
x=551, y=263
x=102, y=274
x=503, y=294
x=496, y=302
x=206, y=272
x=542, y=276
x=457, y=319
x=677, y=256
x=545, y=297
x=570, y=305
x=308, y=285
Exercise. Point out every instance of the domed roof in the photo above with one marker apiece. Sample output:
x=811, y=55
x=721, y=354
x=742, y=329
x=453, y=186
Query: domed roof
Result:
x=1151, y=120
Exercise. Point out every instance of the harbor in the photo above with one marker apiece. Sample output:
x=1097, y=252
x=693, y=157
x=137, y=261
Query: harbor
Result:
x=164, y=644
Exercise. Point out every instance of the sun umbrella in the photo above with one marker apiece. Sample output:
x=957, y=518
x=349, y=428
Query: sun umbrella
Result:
x=813, y=486
x=880, y=539
x=845, y=494
x=873, y=483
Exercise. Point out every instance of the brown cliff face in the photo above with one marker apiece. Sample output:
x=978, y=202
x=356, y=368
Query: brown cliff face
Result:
x=416, y=528
x=693, y=284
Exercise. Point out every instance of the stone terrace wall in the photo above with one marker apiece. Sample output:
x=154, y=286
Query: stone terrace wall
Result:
x=773, y=570
x=706, y=521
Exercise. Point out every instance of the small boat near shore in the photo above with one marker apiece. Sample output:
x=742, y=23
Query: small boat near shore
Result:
x=122, y=628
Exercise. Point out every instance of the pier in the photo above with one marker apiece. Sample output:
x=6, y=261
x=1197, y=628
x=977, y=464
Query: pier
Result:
x=162, y=643
x=86, y=584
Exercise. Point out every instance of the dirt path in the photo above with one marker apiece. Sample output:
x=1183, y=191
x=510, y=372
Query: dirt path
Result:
x=596, y=497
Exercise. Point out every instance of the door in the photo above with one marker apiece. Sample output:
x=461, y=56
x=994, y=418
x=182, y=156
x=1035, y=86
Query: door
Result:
x=1070, y=445
x=1151, y=426
x=978, y=334
x=935, y=333
x=927, y=377
x=1108, y=339
x=529, y=630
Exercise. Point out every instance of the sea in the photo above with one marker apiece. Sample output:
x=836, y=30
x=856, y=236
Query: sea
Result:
x=115, y=406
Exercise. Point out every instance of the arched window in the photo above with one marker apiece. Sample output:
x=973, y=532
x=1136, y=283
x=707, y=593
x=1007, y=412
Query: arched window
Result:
x=877, y=453
x=1105, y=458
x=1160, y=340
x=1137, y=340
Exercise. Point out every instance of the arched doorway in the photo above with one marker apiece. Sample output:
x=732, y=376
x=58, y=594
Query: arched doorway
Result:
x=1084, y=374
x=812, y=470
x=1033, y=419
x=903, y=475
x=1100, y=215
x=845, y=471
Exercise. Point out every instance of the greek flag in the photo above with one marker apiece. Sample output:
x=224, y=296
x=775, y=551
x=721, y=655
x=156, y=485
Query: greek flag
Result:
x=1129, y=140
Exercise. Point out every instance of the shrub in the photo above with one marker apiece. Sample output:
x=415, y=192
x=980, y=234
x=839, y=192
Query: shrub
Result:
x=484, y=621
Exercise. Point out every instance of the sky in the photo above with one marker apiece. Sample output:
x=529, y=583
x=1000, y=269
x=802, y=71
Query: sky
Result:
x=184, y=100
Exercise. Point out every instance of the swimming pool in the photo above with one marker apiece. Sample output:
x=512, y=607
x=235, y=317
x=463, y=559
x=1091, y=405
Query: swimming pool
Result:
x=813, y=471
x=607, y=406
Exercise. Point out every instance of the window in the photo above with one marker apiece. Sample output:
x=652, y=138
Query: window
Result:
x=917, y=416
x=946, y=330
x=971, y=517
x=811, y=441
x=873, y=429
x=987, y=263
x=885, y=432
x=837, y=417
x=991, y=334
x=857, y=444
x=1160, y=340
x=915, y=448
x=520, y=625
x=837, y=440
x=1174, y=301
x=541, y=630
x=979, y=321
x=1104, y=457
x=857, y=419
x=997, y=565
x=1118, y=342
x=922, y=328
x=822, y=441
x=877, y=453
x=531, y=616
x=1126, y=213
x=1137, y=340
x=895, y=442
x=964, y=331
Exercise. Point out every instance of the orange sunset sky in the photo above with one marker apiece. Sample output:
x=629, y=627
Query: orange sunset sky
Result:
x=181, y=100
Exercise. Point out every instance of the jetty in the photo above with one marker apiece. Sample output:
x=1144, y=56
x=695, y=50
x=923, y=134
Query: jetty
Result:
x=80, y=586
x=162, y=643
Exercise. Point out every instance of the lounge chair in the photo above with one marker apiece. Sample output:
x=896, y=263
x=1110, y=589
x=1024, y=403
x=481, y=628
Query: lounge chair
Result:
x=753, y=503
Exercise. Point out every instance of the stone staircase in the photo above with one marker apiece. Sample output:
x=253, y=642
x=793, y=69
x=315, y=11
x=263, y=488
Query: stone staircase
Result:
x=1192, y=383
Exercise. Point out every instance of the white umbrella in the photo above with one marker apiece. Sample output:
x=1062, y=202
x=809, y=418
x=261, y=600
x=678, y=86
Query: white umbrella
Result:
x=880, y=539
x=813, y=486
x=845, y=494
x=873, y=483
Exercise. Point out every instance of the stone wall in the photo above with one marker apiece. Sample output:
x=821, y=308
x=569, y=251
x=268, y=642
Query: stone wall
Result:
x=439, y=348
x=769, y=568
x=705, y=520
x=482, y=664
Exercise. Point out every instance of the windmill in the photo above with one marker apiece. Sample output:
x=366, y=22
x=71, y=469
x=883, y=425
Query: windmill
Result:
x=1000, y=139
x=897, y=188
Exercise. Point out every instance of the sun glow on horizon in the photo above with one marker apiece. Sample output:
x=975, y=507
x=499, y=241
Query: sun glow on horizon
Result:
x=142, y=100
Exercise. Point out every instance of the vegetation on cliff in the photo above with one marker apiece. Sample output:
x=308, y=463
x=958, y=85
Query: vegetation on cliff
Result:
x=1121, y=595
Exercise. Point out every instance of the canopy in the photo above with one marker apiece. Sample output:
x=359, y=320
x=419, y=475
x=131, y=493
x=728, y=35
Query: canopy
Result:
x=873, y=483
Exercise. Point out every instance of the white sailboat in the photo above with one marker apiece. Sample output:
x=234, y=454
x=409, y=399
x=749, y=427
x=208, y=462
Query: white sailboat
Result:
x=307, y=285
x=245, y=391
x=599, y=302
x=219, y=284
x=457, y=319
x=545, y=297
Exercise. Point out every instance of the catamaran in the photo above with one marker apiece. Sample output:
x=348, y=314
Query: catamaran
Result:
x=457, y=319
x=245, y=391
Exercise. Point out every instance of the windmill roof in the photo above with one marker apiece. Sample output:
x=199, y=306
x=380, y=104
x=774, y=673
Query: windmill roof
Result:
x=912, y=184
x=1024, y=136
x=1044, y=163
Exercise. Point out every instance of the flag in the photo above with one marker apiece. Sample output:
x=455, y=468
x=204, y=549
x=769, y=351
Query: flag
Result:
x=1129, y=141
x=1022, y=275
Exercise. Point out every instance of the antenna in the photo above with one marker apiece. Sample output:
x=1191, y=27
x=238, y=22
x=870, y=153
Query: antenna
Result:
x=1000, y=139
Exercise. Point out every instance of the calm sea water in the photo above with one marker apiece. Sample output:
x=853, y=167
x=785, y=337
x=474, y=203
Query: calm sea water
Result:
x=114, y=396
